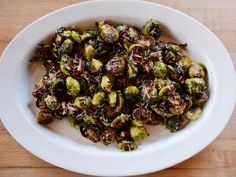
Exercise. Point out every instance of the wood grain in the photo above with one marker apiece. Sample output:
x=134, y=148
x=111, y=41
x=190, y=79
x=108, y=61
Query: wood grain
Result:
x=217, y=160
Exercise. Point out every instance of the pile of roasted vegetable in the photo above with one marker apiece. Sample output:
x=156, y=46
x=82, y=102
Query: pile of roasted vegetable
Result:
x=112, y=81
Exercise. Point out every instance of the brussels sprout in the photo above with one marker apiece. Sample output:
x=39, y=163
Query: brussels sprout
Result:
x=174, y=98
x=95, y=66
x=138, y=123
x=149, y=91
x=166, y=90
x=66, y=47
x=108, y=136
x=174, y=123
x=162, y=113
x=89, y=52
x=75, y=35
x=196, y=70
x=177, y=109
x=116, y=65
x=173, y=47
x=201, y=97
x=195, y=85
x=90, y=119
x=72, y=121
x=51, y=102
x=119, y=121
x=121, y=28
x=66, y=33
x=170, y=58
x=131, y=91
x=138, y=133
x=98, y=98
x=73, y=86
x=108, y=33
x=125, y=145
x=147, y=41
x=142, y=114
x=88, y=34
x=186, y=62
x=91, y=132
x=152, y=27
x=45, y=117
x=194, y=113
x=112, y=98
x=106, y=84
x=82, y=102
x=132, y=70
x=120, y=102
x=64, y=67
x=159, y=69
x=133, y=33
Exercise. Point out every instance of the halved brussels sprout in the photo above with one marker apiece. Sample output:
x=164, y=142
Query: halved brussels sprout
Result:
x=64, y=67
x=132, y=70
x=95, y=66
x=195, y=85
x=173, y=47
x=159, y=69
x=89, y=52
x=138, y=123
x=112, y=98
x=75, y=35
x=108, y=136
x=196, y=70
x=82, y=102
x=131, y=91
x=133, y=33
x=116, y=65
x=66, y=47
x=186, y=62
x=146, y=41
x=169, y=89
x=152, y=27
x=44, y=117
x=177, y=109
x=73, y=86
x=201, y=97
x=119, y=121
x=174, y=123
x=91, y=132
x=98, y=98
x=194, y=113
x=174, y=98
x=138, y=133
x=120, y=102
x=142, y=114
x=51, y=102
x=162, y=113
x=125, y=145
x=149, y=91
x=108, y=32
x=106, y=84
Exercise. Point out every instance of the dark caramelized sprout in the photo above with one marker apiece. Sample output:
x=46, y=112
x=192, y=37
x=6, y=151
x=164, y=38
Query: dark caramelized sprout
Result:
x=114, y=80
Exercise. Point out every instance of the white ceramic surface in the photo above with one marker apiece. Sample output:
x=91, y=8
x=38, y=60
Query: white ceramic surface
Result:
x=62, y=145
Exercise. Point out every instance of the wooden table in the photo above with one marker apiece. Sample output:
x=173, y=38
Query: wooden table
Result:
x=217, y=160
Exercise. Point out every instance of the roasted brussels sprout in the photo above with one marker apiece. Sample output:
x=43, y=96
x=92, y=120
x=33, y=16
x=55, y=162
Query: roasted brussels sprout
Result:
x=64, y=65
x=152, y=27
x=138, y=133
x=112, y=98
x=194, y=113
x=98, y=98
x=116, y=65
x=108, y=136
x=106, y=84
x=108, y=33
x=89, y=52
x=131, y=91
x=45, y=117
x=91, y=132
x=196, y=70
x=66, y=47
x=132, y=70
x=125, y=145
x=95, y=66
x=82, y=102
x=195, y=85
x=51, y=102
x=119, y=121
x=73, y=86
x=114, y=80
x=159, y=69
